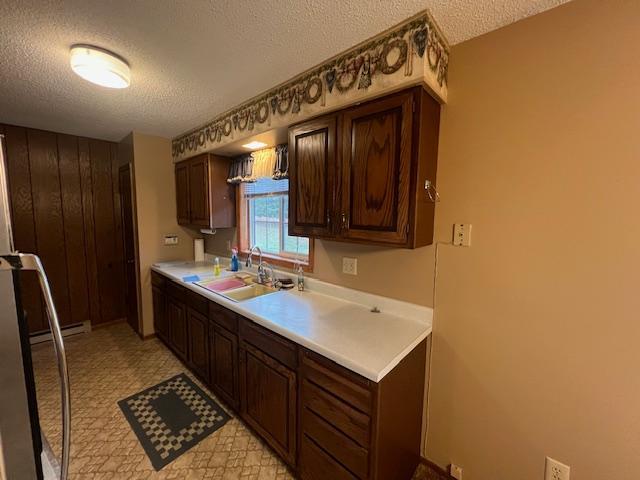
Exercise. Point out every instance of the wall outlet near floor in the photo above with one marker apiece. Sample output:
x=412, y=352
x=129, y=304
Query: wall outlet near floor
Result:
x=350, y=266
x=462, y=234
x=554, y=470
x=170, y=239
x=455, y=471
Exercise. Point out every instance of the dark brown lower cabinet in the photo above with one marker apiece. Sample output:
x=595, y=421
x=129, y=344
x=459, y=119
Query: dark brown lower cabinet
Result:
x=223, y=354
x=159, y=315
x=177, y=317
x=268, y=400
x=198, y=340
x=325, y=421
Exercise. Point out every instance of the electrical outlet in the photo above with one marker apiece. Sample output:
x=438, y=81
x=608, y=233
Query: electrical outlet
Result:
x=462, y=234
x=554, y=470
x=350, y=266
x=455, y=471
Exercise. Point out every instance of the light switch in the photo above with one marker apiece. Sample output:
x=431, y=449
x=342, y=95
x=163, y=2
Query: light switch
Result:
x=170, y=239
x=462, y=234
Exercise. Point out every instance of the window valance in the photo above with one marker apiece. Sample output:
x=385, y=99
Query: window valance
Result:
x=266, y=163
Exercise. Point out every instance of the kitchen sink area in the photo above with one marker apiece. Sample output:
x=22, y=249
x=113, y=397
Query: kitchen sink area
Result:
x=237, y=288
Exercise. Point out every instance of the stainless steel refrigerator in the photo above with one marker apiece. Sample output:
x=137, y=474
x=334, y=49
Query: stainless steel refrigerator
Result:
x=22, y=456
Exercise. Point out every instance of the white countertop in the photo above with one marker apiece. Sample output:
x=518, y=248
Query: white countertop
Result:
x=335, y=323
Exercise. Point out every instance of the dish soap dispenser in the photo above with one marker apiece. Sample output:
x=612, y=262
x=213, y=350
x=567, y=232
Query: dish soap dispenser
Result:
x=300, y=272
x=235, y=264
x=216, y=267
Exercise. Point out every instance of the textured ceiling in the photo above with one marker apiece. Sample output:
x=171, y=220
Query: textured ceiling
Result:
x=192, y=60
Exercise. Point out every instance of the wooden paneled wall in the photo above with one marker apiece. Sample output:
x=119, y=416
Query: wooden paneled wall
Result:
x=65, y=206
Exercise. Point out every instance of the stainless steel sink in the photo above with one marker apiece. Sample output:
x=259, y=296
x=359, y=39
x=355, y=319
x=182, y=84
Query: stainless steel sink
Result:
x=245, y=293
x=245, y=288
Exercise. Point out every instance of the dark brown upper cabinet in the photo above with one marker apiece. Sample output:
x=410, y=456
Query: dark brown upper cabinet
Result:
x=204, y=199
x=182, y=193
x=311, y=196
x=359, y=175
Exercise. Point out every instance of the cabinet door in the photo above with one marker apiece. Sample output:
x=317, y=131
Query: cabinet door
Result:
x=159, y=315
x=182, y=192
x=199, y=208
x=223, y=351
x=376, y=169
x=268, y=400
x=177, y=316
x=197, y=333
x=312, y=177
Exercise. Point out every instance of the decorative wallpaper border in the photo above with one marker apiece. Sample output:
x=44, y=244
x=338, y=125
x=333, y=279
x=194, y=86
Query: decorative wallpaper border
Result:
x=417, y=40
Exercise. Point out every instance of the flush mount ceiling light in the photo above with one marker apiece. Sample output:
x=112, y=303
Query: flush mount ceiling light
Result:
x=254, y=145
x=100, y=66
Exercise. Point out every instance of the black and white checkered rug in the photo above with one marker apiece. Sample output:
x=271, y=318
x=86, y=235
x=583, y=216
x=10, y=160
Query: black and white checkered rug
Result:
x=171, y=417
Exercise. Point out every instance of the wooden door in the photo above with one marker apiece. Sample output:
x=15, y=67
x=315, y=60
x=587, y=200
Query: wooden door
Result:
x=107, y=239
x=223, y=353
x=182, y=192
x=312, y=177
x=198, y=337
x=177, y=317
x=376, y=168
x=128, y=242
x=199, y=206
x=268, y=400
x=160, y=320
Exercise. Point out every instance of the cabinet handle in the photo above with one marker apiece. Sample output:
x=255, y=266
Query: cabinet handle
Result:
x=328, y=219
x=432, y=193
x=345, y=221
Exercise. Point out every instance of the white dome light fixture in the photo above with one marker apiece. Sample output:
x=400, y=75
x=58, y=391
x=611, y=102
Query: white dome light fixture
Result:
x=100, y=66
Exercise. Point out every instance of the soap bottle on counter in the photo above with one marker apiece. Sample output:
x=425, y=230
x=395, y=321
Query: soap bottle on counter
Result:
x=235, y=264
x=216, y=267
x=300, y=273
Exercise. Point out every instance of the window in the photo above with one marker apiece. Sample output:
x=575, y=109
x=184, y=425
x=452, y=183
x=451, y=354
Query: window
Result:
x=264, y=221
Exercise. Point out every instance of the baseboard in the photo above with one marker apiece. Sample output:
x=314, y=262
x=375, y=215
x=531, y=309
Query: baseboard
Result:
x=66, y=331
x=436, y=469
x=107, y=324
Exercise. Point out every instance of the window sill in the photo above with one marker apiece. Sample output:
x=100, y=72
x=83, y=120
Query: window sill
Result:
x=279, y=261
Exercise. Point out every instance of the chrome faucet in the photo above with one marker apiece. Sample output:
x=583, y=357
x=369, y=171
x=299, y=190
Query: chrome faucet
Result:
x=249, y=262
x=263, y=278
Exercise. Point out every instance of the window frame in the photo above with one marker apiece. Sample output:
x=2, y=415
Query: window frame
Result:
x=243, y=227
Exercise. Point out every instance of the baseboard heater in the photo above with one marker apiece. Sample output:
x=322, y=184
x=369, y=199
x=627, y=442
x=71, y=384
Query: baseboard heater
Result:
x=84, y=327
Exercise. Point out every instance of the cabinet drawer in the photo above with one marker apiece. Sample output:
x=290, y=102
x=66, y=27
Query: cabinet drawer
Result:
x=197, y=302
x=157, y=280
x=176, y=291
x=273, y=345
x=316, y=464
x=223, y=317
x=351, y=422
x=351, y=455
x=346, y=385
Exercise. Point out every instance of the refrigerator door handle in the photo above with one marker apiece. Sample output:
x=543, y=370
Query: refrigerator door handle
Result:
x=32, y=262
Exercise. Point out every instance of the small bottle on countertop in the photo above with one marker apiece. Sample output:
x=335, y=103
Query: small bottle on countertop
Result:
x=300, y=278
x=216, y=267
x=235, y=264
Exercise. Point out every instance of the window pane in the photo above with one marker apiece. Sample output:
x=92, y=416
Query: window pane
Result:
x=268, y=215
x=265, y=216
x=297, y=245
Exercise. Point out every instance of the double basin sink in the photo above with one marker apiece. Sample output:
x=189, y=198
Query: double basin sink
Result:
x=237, y=288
